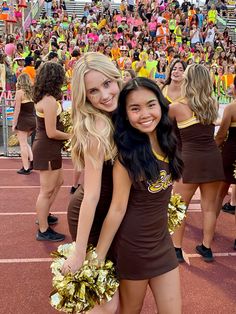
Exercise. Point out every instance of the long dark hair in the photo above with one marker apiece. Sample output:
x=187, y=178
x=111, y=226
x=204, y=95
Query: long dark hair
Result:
x=134, y=148
x=49, y=81
x=172, y=65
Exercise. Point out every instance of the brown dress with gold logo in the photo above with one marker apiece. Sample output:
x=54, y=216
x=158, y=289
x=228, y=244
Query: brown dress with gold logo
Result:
x=143, y=248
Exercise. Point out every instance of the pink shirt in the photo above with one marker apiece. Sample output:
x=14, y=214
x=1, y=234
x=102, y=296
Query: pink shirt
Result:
x=93, y=36
x=138, y=22
x=152, y=26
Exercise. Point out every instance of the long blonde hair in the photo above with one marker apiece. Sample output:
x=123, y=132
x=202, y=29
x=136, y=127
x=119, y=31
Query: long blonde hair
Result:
x=84, y=115
x=24, y=83
x=197, y=88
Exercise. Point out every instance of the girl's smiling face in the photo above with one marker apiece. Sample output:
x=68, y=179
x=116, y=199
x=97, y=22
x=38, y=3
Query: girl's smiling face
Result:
x=177, y=72
x=101, y=91
x=143, y=110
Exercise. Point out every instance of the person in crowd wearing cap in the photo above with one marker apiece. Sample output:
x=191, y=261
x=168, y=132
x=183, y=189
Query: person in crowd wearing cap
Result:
x=124, y=57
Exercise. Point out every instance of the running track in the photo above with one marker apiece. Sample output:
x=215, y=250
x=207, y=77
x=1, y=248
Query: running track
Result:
x=25, y=280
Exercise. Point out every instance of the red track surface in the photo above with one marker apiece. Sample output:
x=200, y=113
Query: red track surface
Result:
x=25, y=280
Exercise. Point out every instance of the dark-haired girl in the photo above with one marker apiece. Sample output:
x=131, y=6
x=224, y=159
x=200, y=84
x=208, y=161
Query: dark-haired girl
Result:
x=47, y=145
x=142, y=179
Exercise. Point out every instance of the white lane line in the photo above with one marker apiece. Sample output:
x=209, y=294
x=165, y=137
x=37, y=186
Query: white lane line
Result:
x=12, y=169
x=24, y=260
x=29, y=213
x=27, y=186
x=45, y=259
x=215, y=254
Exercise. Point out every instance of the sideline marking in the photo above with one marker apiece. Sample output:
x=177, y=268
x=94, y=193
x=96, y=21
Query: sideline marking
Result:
x=27, y=186
x=12, y=169
x=47, y=259
x=29, y=213
x=24, y=260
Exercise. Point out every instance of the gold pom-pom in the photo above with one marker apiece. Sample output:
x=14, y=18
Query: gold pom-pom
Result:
x=234, y=173
x=13, y=140
x=66, y=119
x=176, y=212
x=94, y=283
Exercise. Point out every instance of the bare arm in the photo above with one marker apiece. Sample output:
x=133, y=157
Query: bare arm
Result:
x=117, y=210
x=49, y=107
x=92, y=189
x=225, y=123
x=18, y=99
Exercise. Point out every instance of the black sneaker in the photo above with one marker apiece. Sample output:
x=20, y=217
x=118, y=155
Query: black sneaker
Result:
x=179, y=255
x=49, y=235
x=52, y=220
x=23, y=171
x=206, y=253
x=227, y=208
x=73, y=189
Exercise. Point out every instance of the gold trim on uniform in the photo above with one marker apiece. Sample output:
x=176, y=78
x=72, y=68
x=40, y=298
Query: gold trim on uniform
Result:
x=233, y=124
x=186, y=123
x=59, y=111
x=160, y=157
x=163, y=182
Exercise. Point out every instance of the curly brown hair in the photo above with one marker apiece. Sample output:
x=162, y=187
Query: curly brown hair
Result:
x=49, y=81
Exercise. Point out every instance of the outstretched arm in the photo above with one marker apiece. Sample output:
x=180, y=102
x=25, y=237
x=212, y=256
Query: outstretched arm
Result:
x=117, y=210
x=92, y=188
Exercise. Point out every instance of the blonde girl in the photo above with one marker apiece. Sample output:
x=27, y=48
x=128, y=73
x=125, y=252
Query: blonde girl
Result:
x=24, y=122
x=195, y=115
x=96, y=83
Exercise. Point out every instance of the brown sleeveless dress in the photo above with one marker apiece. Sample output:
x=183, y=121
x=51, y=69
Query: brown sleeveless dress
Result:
x=101, y=209
x=143, y=248
x=46, y=150
x=229, y=154
x=26, y=119
x=200, y=154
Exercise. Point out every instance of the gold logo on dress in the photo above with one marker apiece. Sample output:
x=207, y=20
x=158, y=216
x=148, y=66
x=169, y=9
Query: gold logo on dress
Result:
x=162, y=183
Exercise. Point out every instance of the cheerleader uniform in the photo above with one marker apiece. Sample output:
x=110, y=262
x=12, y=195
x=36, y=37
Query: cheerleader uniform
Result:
x=200, y=154
x=142, y=247
x=229, y=154
x=26, y=119
x=101, y=209
x=47, y=151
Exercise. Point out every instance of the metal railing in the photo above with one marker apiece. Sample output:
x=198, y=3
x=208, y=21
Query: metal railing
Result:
x=7, y=102
x=6, y=117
